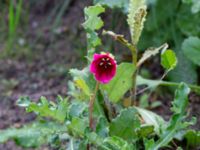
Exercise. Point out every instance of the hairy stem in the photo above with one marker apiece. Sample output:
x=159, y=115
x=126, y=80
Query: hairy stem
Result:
x=134, y=77
x=91, y=105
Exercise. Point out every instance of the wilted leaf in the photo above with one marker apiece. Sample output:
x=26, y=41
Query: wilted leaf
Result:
x=151, y=52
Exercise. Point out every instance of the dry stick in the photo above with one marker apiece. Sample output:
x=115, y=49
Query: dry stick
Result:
x=91, y=105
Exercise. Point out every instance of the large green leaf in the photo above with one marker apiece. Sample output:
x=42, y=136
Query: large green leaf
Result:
x=125, y=124
x=121, y=83
x=191, y=49
x=32, y=135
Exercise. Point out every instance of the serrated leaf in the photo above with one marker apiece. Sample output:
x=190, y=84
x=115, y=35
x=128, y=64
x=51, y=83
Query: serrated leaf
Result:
x=191, y=49
x=181, y=99
x=32, y=135
x=168, y=60
x=128, y=122
x=92, y=23
x=136, y=18
x=121, y=83
x=177, y=121
x=47, y=109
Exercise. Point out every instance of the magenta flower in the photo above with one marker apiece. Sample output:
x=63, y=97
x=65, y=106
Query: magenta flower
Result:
x=103, y=67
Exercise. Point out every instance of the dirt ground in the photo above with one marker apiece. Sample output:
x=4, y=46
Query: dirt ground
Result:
x=46, y=74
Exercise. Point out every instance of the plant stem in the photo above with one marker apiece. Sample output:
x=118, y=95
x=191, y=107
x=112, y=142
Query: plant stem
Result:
x=133, y=49
x=91, y=105
x=134, y=77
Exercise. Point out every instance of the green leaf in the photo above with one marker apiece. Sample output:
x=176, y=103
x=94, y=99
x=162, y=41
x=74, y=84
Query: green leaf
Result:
x=136, y=18
x=184, y=19
x=82, y=90
x=193, y=138
x=77, y=127
x=145, y=130
x=121, y=4
x=116, y=143
x=32, y=135
x=77, y=109
x=191, y=49
x=121, y=83
x=181, y=99
x=102, y=127
x=81, y=84
x=184, y=65
x=47, y=109
x=151, y=118
x=125, y=124
x=168, y=60
x=93, y=22
x=177, y=121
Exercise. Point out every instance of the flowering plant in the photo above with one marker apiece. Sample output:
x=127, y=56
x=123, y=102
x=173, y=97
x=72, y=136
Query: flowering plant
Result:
x=102, y=110
x=103, y=67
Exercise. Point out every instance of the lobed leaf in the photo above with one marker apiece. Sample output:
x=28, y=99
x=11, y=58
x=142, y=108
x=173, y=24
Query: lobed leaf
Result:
x=33, y=135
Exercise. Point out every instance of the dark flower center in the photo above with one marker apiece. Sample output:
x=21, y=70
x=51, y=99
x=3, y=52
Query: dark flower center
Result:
x=105, y=63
